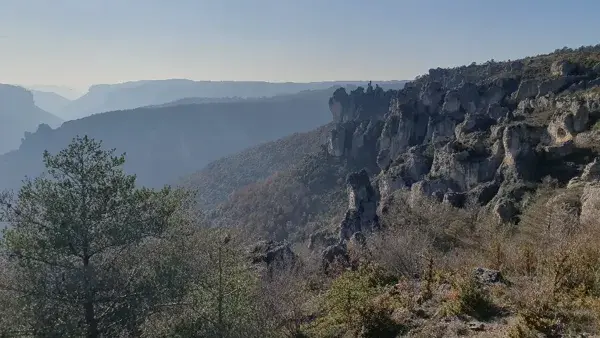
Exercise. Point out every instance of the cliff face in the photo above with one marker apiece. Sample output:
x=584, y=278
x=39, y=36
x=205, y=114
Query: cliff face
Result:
x=18, y=115
x=484, y=134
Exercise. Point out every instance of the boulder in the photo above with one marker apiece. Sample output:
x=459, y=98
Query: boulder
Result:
x=487, y=276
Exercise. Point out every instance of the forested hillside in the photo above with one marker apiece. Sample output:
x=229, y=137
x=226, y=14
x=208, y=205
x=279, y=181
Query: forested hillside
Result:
x=224, y=176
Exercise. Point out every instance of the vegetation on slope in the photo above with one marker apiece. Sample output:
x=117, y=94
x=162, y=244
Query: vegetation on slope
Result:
x=219, y=179
x=431, y=270
x=89, y=254
x=290, y=204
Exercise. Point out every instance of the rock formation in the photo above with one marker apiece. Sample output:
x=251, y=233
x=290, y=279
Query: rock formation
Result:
x=272, y=253
x=486, y=134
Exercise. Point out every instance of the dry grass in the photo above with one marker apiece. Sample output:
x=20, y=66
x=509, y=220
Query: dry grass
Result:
x=550, y=262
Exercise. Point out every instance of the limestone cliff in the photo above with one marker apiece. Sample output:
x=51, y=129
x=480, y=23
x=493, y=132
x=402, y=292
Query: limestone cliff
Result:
x=484, y=134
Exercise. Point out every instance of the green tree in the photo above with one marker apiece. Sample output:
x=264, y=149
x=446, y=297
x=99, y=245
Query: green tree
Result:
x=349, y=309
x=223, y=299
x=82, y=242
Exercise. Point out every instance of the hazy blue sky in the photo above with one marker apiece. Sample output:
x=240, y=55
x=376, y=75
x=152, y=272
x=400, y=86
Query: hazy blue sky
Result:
x=80, y=42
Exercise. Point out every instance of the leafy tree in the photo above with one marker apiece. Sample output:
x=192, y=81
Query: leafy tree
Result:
x=82, y=243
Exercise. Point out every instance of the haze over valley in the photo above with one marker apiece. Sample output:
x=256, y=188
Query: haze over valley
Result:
x=279, y=169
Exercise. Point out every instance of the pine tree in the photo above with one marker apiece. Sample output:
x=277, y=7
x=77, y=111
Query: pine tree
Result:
x=79, y=243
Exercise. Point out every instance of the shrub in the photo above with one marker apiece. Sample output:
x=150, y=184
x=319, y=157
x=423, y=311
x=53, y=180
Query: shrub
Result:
x=469, y=298
x=349, y=307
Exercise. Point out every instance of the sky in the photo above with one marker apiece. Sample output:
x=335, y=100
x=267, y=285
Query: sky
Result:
x=78, y=43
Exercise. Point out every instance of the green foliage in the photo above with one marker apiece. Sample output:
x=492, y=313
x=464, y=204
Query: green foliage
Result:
x=222, y=301
x=280, y=206
x=468, y=297
x=81, y=241
x=218, y=179
x=349, y=307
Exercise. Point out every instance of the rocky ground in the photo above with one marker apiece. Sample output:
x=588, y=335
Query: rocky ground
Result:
x=492, y=172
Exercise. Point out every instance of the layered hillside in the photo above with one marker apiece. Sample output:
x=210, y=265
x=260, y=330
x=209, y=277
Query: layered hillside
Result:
x=19, y=114
x=219, y=179
x=484, y=134
x=50, y=102
x=130, y=95
x=164, y=144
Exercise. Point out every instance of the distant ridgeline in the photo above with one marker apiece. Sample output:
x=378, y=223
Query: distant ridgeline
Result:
x=18, y=114
x=165, y=143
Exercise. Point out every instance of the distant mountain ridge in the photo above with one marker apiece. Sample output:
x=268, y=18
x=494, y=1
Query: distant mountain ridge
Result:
x=64, y=91
x=18, y=115
x=165, y=143
x=50, y=101
x=130, y=95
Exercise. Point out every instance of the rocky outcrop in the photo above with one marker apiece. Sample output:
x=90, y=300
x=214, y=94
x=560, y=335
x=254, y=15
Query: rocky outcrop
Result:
x=272, y=253
x=480, y=133
x=333, y=254
x=361, y=217
x=563, y=68
x=487, y=276
x=362, y=206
